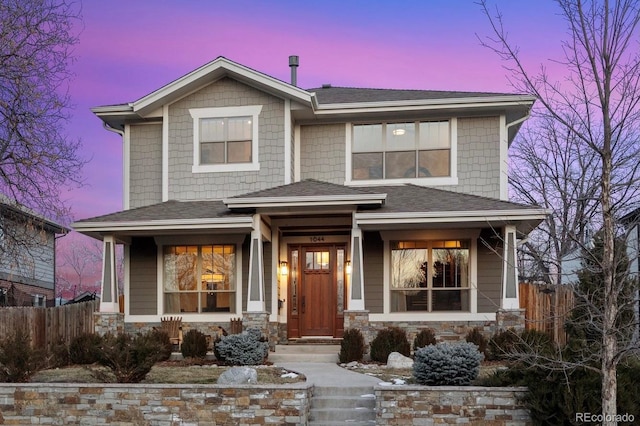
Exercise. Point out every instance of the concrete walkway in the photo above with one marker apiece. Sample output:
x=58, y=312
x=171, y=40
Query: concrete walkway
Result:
x=325, y=374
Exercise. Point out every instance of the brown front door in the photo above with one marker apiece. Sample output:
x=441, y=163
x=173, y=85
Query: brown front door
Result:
x=317, y=306
x=316, y=290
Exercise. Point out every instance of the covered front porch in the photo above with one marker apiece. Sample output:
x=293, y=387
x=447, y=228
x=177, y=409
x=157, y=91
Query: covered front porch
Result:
x=311, y=259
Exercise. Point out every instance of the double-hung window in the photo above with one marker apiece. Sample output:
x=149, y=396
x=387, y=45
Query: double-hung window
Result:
x=430, y=276
x=199, y=278
x=225, y=139
x=407, y=150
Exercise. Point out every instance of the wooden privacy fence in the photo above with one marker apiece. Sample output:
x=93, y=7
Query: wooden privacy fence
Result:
x=546, y=308
x=49, y=326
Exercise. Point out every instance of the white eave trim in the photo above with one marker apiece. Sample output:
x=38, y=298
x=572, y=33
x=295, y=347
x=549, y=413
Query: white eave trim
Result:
x=231, y=67
x=305, y=201
x=450, y=217
x=427, y=104
x=165, y=224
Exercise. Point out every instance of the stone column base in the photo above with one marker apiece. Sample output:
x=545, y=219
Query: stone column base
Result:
x=510, y=319
x=108, y=322
x=360, y=320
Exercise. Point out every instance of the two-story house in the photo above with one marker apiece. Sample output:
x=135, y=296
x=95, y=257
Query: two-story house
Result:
x=27, y=256
x=310, y=211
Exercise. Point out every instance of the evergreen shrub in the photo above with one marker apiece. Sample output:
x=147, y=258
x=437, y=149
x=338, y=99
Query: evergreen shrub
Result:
x=424, y=338
x=447, y=364
x=476, y=337
x=391, y=339
x=194, y=344
x=352, y=347
x=129, y=357
x=18, y=360
x=246, y=348
x=85, y=349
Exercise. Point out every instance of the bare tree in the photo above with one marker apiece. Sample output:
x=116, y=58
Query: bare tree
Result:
x=37, y=158
x=598, y=106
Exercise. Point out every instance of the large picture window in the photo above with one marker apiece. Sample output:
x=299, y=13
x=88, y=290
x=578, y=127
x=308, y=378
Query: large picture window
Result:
x=430, y=276
x=408, y=150
x=225, y=139
x=199, y=279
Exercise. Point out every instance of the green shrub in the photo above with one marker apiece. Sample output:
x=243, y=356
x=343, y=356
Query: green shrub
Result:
x=129, y=357
x=502, y=344
x=164, y=343
x=447, y=364
x=352, y=346
x=424, y=338
x=391, y=339
x=58, y=356
x=194, y=344
x=553, y=397
x=476, y=337
x=18, y=360
x=246, y=348
x=85, y=349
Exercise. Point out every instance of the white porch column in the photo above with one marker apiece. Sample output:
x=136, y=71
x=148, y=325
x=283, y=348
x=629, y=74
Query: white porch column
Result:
x=510, y=292
x=109, y=287
x=255, y=293
x=356, y=292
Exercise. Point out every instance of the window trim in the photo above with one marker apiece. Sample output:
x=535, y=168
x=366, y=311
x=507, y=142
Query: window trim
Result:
x=427, y=181
x=461, y=234
x=198, y=241
x=226, y=112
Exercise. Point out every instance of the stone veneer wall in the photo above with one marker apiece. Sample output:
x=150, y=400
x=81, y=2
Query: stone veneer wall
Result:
x=445, y=330
x=108, y=322
x=428, y=405
x=149, y=404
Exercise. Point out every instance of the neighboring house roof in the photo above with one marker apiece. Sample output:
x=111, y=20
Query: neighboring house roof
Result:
x=376, y=206
x=12, y=209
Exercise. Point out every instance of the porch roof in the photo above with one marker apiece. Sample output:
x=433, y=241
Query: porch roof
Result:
x=375, y=207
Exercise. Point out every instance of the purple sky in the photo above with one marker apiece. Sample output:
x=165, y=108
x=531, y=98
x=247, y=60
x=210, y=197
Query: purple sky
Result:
x=130, y=48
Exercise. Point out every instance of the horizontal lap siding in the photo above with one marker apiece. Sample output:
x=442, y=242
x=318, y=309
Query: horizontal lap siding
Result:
x=143, y=277
x=489, y=277
x=373, y=249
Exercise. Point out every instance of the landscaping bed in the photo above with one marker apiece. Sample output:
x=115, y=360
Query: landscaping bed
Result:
x=170, y=372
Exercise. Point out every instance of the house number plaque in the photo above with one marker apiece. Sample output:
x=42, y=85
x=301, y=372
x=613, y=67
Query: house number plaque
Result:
x=316, y=239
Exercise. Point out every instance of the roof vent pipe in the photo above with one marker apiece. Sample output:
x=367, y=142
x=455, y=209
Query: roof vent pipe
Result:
x=293, y=64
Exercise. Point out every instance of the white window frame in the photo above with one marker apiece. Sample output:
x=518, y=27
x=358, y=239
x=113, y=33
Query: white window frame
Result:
x=426, y=181
x=226, y=112
x=461, y=234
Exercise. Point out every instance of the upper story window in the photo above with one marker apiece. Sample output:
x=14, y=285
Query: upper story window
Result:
x=407, y=150
x=225, y=139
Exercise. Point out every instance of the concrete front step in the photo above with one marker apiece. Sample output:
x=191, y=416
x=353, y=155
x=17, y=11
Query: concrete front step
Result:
x=305, y=353
x=343, y=405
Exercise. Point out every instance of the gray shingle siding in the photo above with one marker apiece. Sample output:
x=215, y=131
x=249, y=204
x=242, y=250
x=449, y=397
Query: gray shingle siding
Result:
x=185, y=185
x=478, y=157
x=322, y=152
x=489, y=278
x=143, y=277
x=145, y=173
x=373, y=249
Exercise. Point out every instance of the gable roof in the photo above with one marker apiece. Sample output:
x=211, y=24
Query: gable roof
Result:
x=345, y=95
x=22, y=213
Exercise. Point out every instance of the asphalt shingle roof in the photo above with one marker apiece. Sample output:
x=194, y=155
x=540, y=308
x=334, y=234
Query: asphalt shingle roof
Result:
x=305, y=188
x=338, y=95
x=169, y=210
x=400, y=198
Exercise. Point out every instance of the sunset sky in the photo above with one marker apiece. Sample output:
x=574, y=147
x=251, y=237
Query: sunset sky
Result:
x=130, y=48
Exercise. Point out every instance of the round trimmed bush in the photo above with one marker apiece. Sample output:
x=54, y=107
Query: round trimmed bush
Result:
x=246, y=348
x=391, y=339
x=447, y=364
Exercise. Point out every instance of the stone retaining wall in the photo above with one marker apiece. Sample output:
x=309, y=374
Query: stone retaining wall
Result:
x=429, y=405
x=149, y=404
